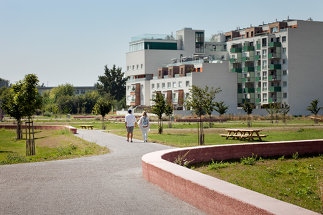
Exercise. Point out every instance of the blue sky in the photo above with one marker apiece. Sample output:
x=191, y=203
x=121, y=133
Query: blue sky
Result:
x=70, y=41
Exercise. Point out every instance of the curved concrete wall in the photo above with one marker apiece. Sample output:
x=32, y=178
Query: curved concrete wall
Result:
x=44, y=127
x=215, y=196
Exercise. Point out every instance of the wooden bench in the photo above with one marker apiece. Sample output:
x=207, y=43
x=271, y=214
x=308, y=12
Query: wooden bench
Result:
x=86, y=127
x=243, y=134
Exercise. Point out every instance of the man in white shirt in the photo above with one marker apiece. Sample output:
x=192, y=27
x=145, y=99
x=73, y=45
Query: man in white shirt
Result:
x=130, y=121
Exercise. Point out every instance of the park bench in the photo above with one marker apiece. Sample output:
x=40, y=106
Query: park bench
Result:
x=87, y=127
x=243, y=134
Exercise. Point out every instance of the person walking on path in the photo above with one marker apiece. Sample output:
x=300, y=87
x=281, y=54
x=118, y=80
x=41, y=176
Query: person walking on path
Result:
x=130, y=121
x=144, y=125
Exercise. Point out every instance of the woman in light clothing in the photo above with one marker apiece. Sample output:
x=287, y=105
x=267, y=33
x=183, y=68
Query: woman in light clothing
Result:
x=144, y=125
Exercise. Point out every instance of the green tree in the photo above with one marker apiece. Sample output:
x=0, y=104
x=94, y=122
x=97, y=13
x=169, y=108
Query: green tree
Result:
x=314, y=109
x=198, y=101
x=22, y=100
x=159, y=109
x=210, y=102
x=112, y=82
x=284, y=109
x=221, y=108
x=169, y=112
x=103, y=107
x=272, y=109
x=248, y=108
x=60, y=91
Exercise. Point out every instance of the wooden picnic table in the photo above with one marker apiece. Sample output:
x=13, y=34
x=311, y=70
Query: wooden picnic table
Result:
x=87, y=126
x=243, y=134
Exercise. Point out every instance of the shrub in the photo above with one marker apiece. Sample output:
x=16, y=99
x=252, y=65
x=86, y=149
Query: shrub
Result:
x=217, y=165
x=48, y=114
x=249, y=160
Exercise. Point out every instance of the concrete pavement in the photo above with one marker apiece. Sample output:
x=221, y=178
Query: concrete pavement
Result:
x=105, y=184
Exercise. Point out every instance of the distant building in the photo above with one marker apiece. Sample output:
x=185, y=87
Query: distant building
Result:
x=78, y=90
x=279, y=62
x=4, y=83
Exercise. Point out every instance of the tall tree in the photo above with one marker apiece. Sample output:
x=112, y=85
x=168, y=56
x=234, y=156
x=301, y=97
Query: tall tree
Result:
x=112, y=82
x=169, y=112
x=103, y=107
x=198, y=102
x=248, y=108
x=284, y=109
x=159, y=109
x=60, y=91
x=22, y=100
x=210, y=103
x=221, y=108
x=314, y=109
x=272, y=109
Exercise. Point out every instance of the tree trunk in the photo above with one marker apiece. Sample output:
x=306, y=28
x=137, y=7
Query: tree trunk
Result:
x=19, y=131
x=103, y=125
x=249, y=121
x=169, y=122
x=210, y=123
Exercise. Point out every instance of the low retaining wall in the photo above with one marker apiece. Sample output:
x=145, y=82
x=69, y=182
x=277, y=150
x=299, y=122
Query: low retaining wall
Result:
x=213, y=195
x=43, y=127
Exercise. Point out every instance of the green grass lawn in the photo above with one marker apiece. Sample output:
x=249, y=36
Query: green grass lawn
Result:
x=50, y=145
x=298, y=181
x=188, y=138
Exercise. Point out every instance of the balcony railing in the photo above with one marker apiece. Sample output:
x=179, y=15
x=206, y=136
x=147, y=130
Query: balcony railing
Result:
x=236, y=50
x=244, y=59
x=258, y=100
x=257, y=57
x=258, y=89
x=274, y=78
x=248, y=48
x=238, y=70
x=239, y=90
x=249, y=90
x=258, y=68
x=274, y=99
x=249, y=69
x=274, y=44
x=275, y=66
x=251, y=79
x=274, y=55
x=275, y=89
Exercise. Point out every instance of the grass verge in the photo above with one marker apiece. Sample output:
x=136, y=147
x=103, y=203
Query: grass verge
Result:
x=50, y=145
x=188, y=138
x=295, y=180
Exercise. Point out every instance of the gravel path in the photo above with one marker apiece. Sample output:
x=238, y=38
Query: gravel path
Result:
x=105, y=184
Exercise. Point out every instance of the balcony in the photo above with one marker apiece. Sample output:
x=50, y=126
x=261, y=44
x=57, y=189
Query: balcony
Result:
x=274, y=55
x=248, y=48
x=258, y=79
x=236, y=50
x=248, y=100
x=257, y=57
x=258, y=46
x=249, y=69
x=251, y=79
x=274, y=44
x=258, y=68
x=233, y=60
x=274, y=100
x=258, y=89
x=238, y=70
x=275, y=66
x=258, y=100
x=274, y=78
x=244, y=59
x=239, y=90
x=249, y=90
x=275, y=89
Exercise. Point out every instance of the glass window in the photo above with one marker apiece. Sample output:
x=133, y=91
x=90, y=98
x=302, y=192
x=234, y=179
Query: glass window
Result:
x=284, y=61
x=169, y=85
x=284, y=83
x=187, y=83
x=142, y=66
x=152, y=86
x=137, y=66
x=174, y=84
x=163, y=85
x=179, y=84
x=284, y=39
x=284, y=50
x=284, y=95
x=158, y=86
x=133, y=67
x=284, y=72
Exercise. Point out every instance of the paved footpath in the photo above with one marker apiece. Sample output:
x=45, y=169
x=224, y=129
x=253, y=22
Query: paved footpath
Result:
x=105, y=184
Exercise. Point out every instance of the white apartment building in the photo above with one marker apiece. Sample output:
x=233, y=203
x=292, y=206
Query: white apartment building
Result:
x=149, y=52
x=279, y=62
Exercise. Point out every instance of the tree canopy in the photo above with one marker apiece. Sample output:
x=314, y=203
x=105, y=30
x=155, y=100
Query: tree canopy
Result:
x=159, y=109
x=112, y=82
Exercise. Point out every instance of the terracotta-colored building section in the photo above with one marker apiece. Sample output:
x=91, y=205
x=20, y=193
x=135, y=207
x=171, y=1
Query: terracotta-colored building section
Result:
x=232, y=34
x=251, y=32
x=162, y=72
x=169, y=97
x=278, y=25
x=44, y=127
x=172, y=71
x=213, y=195
x=137, y=94
x=185, y=68
x=180, y=98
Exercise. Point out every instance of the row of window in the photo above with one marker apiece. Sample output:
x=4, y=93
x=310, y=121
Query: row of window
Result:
x=133, y=67
x=169, y=85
